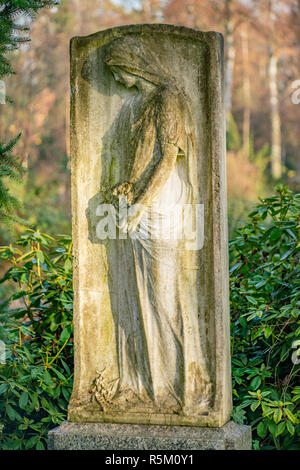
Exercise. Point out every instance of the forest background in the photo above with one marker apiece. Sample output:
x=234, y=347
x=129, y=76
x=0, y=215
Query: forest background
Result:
x=262, y=95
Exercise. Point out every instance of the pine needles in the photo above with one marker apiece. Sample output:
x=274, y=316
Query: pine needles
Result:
x=15, y=19
x=10, y=170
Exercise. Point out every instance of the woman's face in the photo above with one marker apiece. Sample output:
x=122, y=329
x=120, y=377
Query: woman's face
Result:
x=123, y=77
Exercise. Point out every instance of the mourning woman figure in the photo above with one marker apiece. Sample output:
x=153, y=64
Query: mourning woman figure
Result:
x=154, y=176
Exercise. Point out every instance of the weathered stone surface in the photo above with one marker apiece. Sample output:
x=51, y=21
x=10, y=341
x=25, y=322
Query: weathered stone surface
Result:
x=151, y=317
x=108, y=436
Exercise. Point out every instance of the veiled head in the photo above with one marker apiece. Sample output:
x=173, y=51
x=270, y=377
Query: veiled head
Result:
x=128, y=58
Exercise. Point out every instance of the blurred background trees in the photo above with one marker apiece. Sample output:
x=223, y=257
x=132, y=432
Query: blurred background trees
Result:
x=262, y=95
x=261, y=63
x=15, y=18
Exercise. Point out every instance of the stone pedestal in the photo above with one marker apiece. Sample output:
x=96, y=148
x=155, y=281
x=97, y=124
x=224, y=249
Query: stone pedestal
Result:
x=109, y=436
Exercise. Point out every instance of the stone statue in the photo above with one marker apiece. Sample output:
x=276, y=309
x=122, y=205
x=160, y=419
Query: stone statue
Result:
x=162, y=363
x=151, y=303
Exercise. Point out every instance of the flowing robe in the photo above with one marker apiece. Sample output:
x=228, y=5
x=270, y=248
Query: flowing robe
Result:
x=161, y=359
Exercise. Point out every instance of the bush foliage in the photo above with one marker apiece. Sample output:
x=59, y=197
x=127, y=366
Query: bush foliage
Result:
x=265, y=307
x=36, y=379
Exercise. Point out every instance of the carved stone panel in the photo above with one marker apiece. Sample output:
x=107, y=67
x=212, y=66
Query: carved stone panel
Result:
x=151, y=312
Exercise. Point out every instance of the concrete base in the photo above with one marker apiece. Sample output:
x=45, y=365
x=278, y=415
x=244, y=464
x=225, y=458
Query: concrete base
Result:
x=110, y=436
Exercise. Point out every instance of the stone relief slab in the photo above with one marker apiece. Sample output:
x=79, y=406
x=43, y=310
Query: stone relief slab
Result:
x=151, y=314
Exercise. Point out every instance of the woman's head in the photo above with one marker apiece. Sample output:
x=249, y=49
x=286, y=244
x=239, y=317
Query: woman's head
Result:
x=129, y=59
x=123, y=77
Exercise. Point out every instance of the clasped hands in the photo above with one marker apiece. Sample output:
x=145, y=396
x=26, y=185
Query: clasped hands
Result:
x=130, y=213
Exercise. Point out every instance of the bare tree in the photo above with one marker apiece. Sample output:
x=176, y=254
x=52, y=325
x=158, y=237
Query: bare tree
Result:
x=230, y=54
x=246, y=91
x=276, y=163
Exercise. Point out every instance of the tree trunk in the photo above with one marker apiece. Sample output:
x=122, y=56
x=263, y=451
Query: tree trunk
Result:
x=246, y=93
x=230, y=57
x=276, y=163
x=275, y=118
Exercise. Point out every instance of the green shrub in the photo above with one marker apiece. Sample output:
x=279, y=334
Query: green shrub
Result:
x=265, y=311
x=36, y=378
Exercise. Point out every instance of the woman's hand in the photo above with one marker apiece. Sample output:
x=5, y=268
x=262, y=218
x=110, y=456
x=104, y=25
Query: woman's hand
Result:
x=129, y=214
x=124, y=190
